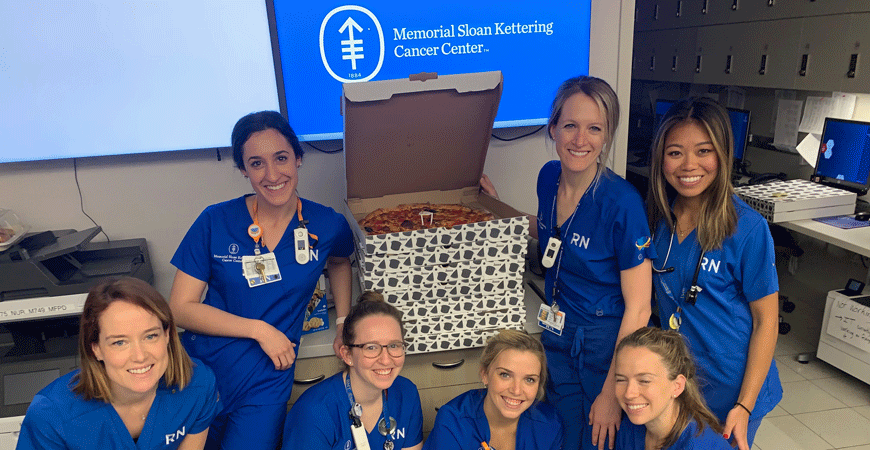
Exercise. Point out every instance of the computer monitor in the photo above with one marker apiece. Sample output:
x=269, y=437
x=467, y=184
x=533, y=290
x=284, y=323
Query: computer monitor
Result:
x=844, y=155
x=662, y=107
x=740, y=129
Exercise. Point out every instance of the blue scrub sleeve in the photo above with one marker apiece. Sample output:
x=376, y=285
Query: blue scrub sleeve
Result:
x=192, y=255
x=309, y=425
x=445, y=432
x=209, y=403
x=631, y=236
x=38, y=430
x=757, y=270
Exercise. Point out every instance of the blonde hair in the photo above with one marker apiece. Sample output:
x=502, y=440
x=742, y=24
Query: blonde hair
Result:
x=92, y=382
x=671, y=348
x=608, y=105
x=515, y=340
x=718, y=215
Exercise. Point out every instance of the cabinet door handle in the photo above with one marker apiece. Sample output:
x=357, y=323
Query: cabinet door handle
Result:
x=853, y=66
x=309, y=380
x=448, y=365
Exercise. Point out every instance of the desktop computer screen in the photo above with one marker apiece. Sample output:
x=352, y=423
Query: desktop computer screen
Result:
x=844, y=155
x=740, y=129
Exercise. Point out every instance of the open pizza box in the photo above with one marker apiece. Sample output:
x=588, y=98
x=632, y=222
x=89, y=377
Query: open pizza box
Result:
x=422, y=140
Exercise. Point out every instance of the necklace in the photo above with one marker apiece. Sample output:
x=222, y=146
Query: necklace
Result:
x=682, y=233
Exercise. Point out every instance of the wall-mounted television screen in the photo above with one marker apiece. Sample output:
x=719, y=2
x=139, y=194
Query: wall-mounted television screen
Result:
x=106, y=77
x=536, y=46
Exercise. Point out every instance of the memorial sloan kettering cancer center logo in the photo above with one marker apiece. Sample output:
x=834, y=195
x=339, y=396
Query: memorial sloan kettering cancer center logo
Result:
x=351, y=44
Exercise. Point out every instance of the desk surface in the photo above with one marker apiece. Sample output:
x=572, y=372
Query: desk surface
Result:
x=856, y=240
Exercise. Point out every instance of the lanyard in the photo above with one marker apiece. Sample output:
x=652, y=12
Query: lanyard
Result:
x=691, y=295
x=558, y=232
x=255, y=231
x=386, y=426
x=303, y=222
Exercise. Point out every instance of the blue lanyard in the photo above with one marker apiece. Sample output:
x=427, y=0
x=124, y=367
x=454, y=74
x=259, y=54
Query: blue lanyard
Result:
x=385, y=425
x=557, y=230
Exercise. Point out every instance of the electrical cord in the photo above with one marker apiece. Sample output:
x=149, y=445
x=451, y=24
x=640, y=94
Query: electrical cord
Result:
x=328, y=152
x=520, y=136
x=82, y=200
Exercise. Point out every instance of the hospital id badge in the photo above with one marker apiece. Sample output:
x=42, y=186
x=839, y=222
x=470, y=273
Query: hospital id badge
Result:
x=260, y=269
x=552, y=321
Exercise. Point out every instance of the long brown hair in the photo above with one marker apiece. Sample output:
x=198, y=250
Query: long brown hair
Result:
x=718, y=215
x=671, y=348
x=93, y=382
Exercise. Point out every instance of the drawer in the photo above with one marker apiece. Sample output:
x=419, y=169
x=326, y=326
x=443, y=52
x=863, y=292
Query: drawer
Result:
x=448, y=368
x=310, y=371
x=433, y=398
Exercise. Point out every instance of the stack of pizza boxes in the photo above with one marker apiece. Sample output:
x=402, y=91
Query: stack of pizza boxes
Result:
x=424, y=139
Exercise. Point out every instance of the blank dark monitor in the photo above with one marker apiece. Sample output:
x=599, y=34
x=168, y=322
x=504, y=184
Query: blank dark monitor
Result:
x=740, y=129
x=662, y=107
x=844, y=155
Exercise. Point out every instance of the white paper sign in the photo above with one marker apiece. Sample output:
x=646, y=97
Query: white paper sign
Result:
x=788, y=116
x=815, y=111
x=850, y=323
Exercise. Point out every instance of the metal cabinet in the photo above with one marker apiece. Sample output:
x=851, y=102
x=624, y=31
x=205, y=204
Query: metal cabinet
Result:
x=771, y=53
x=856, y=67
x=820, y=52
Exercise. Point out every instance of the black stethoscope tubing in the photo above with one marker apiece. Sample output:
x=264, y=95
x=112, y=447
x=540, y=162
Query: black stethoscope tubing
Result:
x=694, y=290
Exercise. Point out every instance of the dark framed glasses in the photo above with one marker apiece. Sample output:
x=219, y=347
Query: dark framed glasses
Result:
x=373, y=349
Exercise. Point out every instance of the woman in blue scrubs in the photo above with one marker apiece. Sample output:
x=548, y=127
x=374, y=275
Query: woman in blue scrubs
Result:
x=506, y=413
x=137, y=388
x=367, y=405
x=657, y=387
x=715, y=278
x=257, y=259
x=598, y=284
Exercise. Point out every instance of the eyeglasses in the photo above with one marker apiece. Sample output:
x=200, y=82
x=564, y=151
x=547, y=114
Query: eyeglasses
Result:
x=373, y=349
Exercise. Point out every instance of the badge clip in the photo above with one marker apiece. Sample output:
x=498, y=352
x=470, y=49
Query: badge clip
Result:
x=550, y=252
x=300, y=237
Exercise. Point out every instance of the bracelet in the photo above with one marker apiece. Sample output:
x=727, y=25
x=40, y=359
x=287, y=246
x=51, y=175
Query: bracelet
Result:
x=340, y=320
x=747, y=409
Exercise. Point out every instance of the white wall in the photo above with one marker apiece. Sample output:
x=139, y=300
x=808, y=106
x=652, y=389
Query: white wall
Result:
x=158, y=196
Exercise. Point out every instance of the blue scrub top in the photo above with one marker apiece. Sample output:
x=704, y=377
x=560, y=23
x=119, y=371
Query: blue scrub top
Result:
x=607, y=234
x=631, y=437
x=60, y=419
x=462, y=425
x=212, y=252
x=718, y=327
x=319, y=419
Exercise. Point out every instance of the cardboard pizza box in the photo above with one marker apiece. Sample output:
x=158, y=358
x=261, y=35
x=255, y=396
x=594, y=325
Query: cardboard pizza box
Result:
x=424, y=139
x=783, y=201
x=417, y=140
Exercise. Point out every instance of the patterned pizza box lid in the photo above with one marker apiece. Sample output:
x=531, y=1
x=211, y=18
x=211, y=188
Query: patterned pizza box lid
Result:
x=797, y=199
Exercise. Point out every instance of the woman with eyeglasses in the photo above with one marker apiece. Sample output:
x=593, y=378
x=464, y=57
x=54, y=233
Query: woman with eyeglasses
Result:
x=367, y=405
x=715, y=276
x=506, y=414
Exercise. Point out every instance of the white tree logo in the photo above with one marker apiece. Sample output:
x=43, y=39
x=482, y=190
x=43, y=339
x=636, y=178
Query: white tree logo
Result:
x=353, y=45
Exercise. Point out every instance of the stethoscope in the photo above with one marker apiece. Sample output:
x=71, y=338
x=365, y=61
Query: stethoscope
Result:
x=694, y=290
x=386, y=426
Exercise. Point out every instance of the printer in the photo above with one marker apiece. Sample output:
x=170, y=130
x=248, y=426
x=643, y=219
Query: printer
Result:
x=44, y=281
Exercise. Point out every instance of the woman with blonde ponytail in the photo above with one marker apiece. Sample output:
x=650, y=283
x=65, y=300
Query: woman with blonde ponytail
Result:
x=657, y=387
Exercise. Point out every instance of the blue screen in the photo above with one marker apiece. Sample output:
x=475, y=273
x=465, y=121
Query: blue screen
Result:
x=844, y=152
x=662, y=107
x=740, y=129
x=536, y=46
